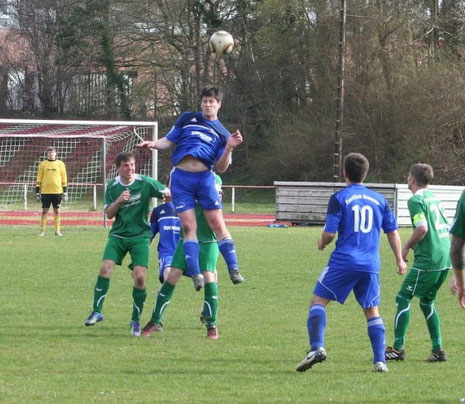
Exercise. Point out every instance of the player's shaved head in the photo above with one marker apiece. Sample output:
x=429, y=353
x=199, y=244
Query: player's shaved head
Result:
x=422, y=173
x=123, y=158
x=356, y=167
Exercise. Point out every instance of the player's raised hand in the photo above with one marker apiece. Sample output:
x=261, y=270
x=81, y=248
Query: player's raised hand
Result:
x=235, y=139
x=146, y=144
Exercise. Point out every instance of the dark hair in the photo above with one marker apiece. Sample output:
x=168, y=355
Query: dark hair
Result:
x=423, y=173
x=123, y=157
x=212, y=91
x=356, y=167
x=51, y=148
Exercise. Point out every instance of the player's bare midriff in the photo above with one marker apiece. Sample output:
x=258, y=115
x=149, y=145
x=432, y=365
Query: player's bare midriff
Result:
x=191, y=164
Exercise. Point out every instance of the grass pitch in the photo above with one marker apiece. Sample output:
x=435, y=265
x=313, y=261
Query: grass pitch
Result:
x=48, y=355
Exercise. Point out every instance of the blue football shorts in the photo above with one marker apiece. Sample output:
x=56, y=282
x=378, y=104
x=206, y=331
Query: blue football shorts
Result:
x=188, y=187
x=336, y=284
x=164, y=261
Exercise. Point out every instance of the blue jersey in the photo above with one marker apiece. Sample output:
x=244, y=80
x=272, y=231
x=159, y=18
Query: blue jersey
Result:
x=358, y=214
x=164, y=221
x=198, y=137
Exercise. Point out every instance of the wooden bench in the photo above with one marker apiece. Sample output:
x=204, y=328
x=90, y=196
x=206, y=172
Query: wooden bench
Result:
x=306, y=202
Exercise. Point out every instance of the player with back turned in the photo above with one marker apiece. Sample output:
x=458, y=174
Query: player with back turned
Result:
x=430, y=243
x=202, y=144
x=358, y=215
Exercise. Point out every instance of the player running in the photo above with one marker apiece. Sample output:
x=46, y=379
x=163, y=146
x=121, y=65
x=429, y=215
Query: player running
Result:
x=127, y=199
x=430, y=243
x=357, y=214
x=202, y=144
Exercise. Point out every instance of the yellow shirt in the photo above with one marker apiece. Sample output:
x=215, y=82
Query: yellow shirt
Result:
x=51, y=177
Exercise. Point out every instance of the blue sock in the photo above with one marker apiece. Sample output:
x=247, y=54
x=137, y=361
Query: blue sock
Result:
x=377, y=334
x=191, y=254
x=316, y=324
x=228, y=251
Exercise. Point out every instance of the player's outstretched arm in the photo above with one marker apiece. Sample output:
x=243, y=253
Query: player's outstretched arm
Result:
x=160, y=144
x=396, y=247
x=456, y=256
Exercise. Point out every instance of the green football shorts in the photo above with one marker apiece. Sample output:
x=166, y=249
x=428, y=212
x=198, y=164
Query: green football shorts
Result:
x=138, y=248
x=423, y=284
x=208, y=257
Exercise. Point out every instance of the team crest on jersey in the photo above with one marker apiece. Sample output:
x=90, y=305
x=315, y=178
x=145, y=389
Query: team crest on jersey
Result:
x=134, y=198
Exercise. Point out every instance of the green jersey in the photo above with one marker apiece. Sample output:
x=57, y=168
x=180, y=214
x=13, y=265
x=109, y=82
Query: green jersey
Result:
x=458, y=225
x=432, y=251
x=131, y=220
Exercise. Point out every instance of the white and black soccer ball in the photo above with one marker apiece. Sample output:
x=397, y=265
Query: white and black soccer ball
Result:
x=221, y=42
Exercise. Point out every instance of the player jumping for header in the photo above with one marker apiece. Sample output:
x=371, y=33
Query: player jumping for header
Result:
x=202, y=143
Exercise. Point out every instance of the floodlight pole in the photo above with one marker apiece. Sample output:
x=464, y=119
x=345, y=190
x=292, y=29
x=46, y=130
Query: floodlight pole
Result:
x=338, y=137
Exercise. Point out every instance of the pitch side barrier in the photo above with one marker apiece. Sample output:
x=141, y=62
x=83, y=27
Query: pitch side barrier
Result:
x=305, y=203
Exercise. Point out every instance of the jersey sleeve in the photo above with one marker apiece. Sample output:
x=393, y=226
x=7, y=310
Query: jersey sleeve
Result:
x=157, y=189
x=39, y=175
x=108, y=198
x=64, y=177
x=389, y=220
x=458, y=225
x=174, y=135
x=333, y=215
x=417, y=213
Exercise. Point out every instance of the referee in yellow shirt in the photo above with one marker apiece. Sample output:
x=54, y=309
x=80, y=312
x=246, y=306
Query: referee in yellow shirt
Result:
x=51, y=188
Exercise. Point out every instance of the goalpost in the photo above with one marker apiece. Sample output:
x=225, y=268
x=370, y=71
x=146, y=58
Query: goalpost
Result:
x=88, y=149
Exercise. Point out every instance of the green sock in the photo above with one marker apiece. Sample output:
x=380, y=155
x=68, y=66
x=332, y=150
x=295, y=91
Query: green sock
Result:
x=401, y=321
x=139, y=296
x=434, y=323
x=100, y=291
x=163, y=299
x=210, y=304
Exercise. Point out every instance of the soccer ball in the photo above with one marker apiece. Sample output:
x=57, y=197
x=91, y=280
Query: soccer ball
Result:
x=221, y=42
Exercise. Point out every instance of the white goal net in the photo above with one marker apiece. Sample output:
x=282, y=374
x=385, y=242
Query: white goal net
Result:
x=88, y=149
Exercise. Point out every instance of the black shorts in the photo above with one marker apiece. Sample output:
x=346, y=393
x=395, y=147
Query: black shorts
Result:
x=48, y=199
